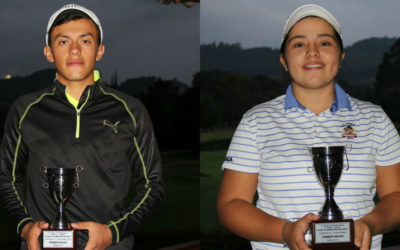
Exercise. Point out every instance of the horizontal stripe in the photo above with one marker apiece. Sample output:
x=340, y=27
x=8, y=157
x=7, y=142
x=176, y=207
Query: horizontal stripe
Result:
x=270, y=141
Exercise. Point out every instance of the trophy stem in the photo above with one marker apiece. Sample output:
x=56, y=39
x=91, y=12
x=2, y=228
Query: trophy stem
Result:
x=60, y=220
x=330, y=210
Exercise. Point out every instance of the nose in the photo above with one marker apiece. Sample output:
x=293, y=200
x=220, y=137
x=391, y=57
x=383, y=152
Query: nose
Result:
x=312, y=51
x=75, y=49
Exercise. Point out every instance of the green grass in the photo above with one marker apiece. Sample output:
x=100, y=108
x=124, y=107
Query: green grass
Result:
x=210, y=179
x=214, y=235
x=215, y=135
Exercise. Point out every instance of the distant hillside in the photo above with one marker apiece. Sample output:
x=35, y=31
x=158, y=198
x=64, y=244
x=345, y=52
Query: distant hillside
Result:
x=363, y=59
x=360, y=65
x=17, y=86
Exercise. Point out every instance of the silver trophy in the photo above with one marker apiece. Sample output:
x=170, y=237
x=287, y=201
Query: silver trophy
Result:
x=328, y=166
x=331, y=231
x=61, y=183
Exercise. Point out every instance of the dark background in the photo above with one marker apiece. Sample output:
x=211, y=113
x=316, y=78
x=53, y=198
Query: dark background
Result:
x=152, y=53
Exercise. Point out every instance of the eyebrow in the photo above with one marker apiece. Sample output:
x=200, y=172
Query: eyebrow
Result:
x=66, y=36
x=319, y=35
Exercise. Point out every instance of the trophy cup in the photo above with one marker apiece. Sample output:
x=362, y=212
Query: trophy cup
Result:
x=61, y=182
x=331, y=231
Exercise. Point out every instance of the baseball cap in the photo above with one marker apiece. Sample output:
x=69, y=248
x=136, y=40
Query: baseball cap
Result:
x=73, y=8
x=306, y=11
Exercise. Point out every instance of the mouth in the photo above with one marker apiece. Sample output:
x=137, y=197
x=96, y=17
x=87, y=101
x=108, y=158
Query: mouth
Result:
x=312, y=66
x=75, y=63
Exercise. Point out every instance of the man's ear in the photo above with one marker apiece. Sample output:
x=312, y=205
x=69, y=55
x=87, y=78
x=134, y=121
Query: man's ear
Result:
x=48, y=53
x=100, y=52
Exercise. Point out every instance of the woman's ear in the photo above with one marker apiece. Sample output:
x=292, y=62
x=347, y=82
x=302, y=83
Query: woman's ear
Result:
x=48, y=53
x=342, y=56
x=283, y=62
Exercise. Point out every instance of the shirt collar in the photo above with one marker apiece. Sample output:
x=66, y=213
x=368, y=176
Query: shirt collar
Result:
x=341, y=100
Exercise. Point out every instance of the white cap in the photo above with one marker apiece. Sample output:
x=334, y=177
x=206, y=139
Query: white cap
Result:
x=79, y=9
x=310, y=10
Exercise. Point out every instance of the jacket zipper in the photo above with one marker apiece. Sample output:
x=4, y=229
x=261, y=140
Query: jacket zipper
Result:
x=78, y=117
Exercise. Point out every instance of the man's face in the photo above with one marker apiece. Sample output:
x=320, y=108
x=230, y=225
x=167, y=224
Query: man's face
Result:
x=74, y=51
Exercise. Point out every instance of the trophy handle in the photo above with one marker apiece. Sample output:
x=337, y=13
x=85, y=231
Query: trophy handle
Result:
x=44, y=172
x=347, y=158
x=78, y=169
x=307, y=150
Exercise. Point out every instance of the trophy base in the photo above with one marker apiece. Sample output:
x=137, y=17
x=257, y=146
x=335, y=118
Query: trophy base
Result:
x=333, y=234
x=58, y=239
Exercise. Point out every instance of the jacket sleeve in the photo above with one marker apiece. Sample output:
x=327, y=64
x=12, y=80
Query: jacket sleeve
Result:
x=146, y=169
x=13, y=158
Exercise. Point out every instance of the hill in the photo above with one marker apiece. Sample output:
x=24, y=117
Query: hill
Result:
x=359, y=67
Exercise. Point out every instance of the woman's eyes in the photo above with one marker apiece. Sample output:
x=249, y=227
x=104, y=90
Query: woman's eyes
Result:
x=326, y=43
x=298, y=45
x=301, y=44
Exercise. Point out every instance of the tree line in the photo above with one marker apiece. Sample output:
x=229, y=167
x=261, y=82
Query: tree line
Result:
x=225, y=95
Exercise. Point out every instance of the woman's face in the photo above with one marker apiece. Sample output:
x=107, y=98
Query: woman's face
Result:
x=312, y=54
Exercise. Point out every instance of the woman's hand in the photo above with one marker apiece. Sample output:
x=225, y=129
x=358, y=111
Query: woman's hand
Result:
x=295, y=231
x=362, y=237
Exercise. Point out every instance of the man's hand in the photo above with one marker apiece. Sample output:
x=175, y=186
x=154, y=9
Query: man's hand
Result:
x=100, y=235
x=31, y=233
x=362, y=237
x=295, y=231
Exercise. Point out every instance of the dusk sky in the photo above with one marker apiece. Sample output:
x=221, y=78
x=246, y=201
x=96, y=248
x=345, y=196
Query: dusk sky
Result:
x=142, y=37
x=259, y=23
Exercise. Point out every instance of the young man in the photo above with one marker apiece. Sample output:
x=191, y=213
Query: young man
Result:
x=80, y=122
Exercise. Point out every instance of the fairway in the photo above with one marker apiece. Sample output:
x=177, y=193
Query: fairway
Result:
x=211, y=173
x=210, y=179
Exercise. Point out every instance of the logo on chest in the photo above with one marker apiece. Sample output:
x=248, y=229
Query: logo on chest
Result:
x=349, y=131
x=112, y=125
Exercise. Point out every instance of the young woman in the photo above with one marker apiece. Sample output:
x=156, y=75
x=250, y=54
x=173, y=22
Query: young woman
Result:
x=266, y=153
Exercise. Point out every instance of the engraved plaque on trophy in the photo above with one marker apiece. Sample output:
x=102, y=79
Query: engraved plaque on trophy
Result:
x=61, y=183
x=331, y=231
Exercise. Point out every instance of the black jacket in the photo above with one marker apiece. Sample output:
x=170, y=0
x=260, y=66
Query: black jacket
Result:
x=110, y=135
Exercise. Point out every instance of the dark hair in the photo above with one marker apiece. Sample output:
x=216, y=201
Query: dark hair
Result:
x=337, y=36
x=70, y=15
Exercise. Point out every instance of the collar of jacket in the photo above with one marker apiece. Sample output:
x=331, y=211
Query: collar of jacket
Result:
x=92, y=90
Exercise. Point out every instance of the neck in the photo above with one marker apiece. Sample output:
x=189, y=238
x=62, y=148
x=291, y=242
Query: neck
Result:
x=316, y=100
x=75, y=89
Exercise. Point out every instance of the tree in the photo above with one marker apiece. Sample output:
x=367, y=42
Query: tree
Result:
x=387, y=86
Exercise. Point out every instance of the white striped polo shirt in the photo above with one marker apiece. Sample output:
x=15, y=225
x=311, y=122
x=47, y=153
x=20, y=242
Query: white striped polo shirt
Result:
x=270, y=142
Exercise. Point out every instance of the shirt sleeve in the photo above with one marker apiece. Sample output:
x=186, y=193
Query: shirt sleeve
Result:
x=13, y=159
x=243, y=155
x=388, y=152
x=146, y=169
